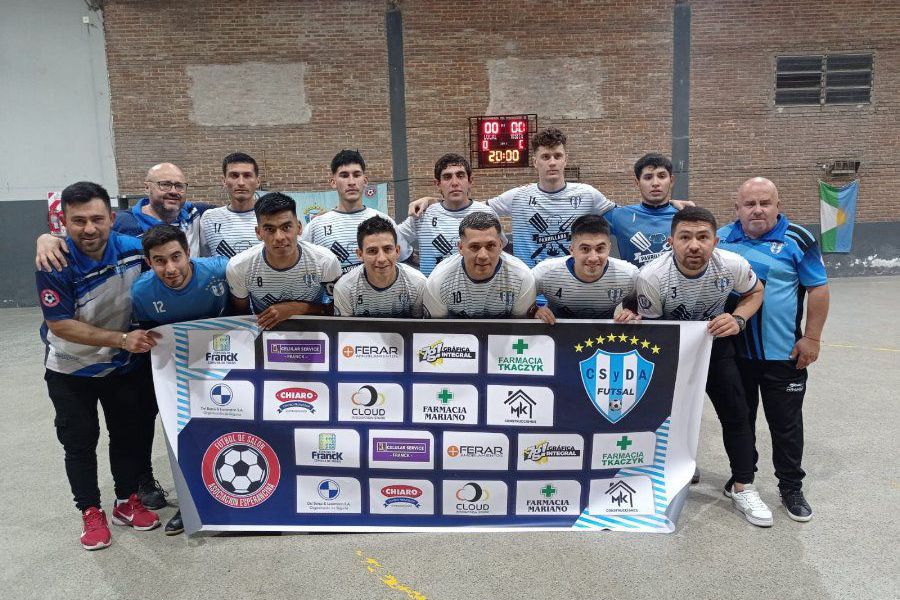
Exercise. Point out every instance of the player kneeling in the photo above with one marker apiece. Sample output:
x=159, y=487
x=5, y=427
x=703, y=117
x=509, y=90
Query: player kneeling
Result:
x=380, y=286
x=588, y=284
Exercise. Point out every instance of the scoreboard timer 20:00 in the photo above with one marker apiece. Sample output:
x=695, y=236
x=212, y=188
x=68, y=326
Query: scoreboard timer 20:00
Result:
x=501, y=141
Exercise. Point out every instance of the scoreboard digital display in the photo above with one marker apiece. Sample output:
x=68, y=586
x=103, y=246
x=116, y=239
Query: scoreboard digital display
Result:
x=501, y=141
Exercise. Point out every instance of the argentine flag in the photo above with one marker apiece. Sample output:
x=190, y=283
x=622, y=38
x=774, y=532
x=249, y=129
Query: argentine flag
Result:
x=837, y=214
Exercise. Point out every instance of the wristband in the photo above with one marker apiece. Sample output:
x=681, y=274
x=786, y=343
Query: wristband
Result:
x=812, y=338
x=124, y=339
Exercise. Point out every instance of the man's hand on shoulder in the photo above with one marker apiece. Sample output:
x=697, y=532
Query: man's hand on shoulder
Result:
x=50, y=253
x=417, y=207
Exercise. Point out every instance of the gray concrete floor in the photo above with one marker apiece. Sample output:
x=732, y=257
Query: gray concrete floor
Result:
x=847, y=551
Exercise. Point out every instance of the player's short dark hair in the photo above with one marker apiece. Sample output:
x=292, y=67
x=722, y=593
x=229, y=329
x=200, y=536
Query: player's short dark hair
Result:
x=481, y=221
x=548, y=138
x=274, y=203
x=347, y=157
x=83, y=192
x=589, y=225
x=163, y=234
x=372, y=226
x=694, y=214
x=239, y=157
x=654, y=160
x=451, y=160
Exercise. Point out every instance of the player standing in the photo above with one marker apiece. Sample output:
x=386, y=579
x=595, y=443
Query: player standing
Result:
x=692, y=282
x=227, y=230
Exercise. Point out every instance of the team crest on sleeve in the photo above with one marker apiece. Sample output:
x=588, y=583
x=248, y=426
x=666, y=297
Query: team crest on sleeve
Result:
x=616, y=381
x=49, y=298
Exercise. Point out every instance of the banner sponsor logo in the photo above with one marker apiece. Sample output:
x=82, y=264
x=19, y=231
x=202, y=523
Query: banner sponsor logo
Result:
x=400, y=449
x=548, y=497
x=214, y=399
x=295, y=401
x=522, y=406
x=550, y=451
x=445, y=353
x=370, y=351
x=240, y=470
x=616, y=381
x=621, y=495
x=327, y=447
x=218, y=349
x=475, y=451
x=370, y=402
x=474, y=498
x=617, y=450
x=401, y=496
x=328, y=495
x=521, y=355
x=295, y=351
x=448, y=404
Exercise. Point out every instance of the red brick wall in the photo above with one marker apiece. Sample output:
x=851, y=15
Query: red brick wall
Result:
x=736, y=131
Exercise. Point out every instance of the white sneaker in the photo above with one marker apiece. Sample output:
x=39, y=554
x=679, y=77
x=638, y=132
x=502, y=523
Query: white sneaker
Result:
x=751, y=505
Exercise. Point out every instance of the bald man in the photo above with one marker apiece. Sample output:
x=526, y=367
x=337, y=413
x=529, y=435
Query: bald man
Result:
x=164, y=204
x=773, y=350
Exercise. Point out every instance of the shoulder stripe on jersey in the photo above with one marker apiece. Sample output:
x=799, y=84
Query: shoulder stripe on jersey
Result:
x=803, y=238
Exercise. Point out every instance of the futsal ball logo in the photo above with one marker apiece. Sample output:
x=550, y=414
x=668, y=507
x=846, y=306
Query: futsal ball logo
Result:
x=240, y=470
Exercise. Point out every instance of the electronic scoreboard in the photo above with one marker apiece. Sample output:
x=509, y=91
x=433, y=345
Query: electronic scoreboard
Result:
x=501, y=141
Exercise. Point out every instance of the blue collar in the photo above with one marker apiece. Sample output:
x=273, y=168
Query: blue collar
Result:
x=147, y=221
x=776, y=234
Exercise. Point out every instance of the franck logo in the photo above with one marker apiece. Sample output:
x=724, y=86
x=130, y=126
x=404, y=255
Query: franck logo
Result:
x=221, y=343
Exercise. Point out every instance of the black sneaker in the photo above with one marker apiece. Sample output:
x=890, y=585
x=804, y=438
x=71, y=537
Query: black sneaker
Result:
x=696, y=477
x=175, y=525
x=151, y=494
x=797, y=507
x=728, y=485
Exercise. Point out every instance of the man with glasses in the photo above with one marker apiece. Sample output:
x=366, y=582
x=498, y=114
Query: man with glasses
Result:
x=164, y=205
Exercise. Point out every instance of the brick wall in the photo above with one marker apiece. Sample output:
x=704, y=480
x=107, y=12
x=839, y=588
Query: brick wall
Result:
x=454, y=55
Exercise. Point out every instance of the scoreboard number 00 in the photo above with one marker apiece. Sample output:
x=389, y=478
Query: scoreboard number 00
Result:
x=501, y=141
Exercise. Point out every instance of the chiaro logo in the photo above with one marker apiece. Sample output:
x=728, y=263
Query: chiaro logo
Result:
x=296, y=397
x=401, y=494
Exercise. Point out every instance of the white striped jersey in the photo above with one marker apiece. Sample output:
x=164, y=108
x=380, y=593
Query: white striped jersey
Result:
x=451, y=293
x=663, y=291
x=354, y=296
x=224, y=232
x=337, y=231
x=542, y=221
x=570, y=297
x=436, y=233
x=311, y=279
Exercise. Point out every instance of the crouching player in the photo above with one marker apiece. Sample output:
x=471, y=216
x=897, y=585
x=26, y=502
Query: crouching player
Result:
x=179, y=288
x=380, y=286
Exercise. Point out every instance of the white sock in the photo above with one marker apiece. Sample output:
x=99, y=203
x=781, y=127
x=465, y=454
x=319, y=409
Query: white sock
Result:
x=120, y=502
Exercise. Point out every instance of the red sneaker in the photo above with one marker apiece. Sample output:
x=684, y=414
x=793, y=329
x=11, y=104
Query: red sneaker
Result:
x=95, y=534
x=135, y=514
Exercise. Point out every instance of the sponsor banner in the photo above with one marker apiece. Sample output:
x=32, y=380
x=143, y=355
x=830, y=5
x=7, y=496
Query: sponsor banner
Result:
x=519, y=406
x=401, y=449
x=615, y=451
x=396, y=425
x=365, y=351
x=295, y=401
x=475, y=451
x=327, y=447
x=548, y=497
x=445, y=353
x=468, y=498
x=401, y=497
x=289, y=351
x=333, y=495
x=445, y=404
x=550, y=451
x=622, y=496
x=214, y=399
x=220, y=350
x=521, y=355
x=370, y=402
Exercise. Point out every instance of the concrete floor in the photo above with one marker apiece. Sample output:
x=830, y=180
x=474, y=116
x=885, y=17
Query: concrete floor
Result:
x=847, y=551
